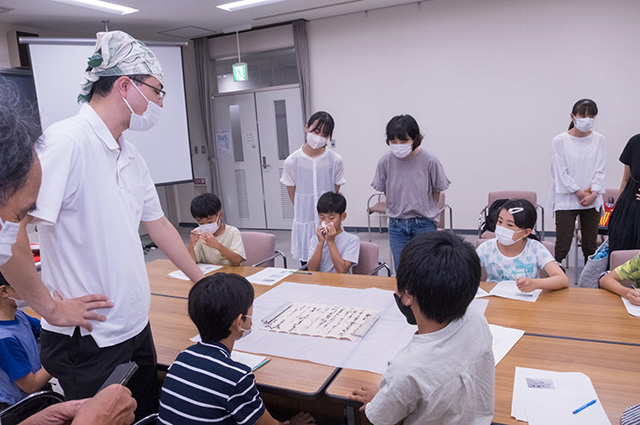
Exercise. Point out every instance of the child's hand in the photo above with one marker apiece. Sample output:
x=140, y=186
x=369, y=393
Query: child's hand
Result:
x=209, y=240
x=195, y=235
x=320, y=233
x=526, y=284
x=301, y=419
x=633, y=296
x=331, y=233
x=363, y=394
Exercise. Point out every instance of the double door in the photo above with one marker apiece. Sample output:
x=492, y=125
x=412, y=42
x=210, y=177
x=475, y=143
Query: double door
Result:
x=254, y=134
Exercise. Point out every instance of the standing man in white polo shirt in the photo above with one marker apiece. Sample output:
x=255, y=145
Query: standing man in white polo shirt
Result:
x=96, y=189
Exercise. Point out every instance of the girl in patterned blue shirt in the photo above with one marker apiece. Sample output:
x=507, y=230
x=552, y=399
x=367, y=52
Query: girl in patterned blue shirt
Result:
x=517, y=254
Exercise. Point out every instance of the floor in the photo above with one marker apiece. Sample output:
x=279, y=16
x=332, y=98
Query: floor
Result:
x=283, y=243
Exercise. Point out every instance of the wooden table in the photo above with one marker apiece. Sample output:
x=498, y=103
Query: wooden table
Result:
x=580, y=313
x=172, y=327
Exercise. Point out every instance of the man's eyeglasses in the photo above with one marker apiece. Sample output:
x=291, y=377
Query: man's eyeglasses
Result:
x=159, y=92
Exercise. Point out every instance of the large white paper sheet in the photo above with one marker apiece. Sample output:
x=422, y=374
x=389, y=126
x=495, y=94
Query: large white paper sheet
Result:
x=206, y=268
x=481, y=293
x=269, y=276
x=633, y=310
x=543, y=397
x=509, y=289
x=503, y=340
x=372, y=352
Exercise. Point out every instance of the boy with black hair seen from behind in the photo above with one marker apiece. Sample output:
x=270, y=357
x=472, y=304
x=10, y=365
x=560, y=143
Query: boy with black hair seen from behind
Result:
x=445, y=375
x=214, y=242
x=204, y=385
x=331, y=249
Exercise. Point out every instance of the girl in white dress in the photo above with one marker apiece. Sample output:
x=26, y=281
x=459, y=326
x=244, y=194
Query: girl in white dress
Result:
x=308, y=173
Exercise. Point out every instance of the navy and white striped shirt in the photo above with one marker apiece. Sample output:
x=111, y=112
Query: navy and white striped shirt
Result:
x=204, y=385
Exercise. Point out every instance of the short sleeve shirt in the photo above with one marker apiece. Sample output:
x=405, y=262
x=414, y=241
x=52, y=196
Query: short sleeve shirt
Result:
x=204, y=385
x=230, y=239
x=440, y=378
x=95, y=192
x=630, y=270
x=18, y=355
x=409, y=184
x=528, y=263
x=348, y=246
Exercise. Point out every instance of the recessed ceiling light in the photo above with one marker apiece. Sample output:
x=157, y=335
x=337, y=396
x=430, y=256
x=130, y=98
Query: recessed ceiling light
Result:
x=245, y=4
x=103, y=6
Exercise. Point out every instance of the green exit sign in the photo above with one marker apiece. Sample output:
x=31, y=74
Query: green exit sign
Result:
x=240, y=72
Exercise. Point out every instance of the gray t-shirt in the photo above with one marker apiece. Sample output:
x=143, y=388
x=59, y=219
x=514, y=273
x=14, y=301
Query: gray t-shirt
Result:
x=348, y=246
x=409, y=183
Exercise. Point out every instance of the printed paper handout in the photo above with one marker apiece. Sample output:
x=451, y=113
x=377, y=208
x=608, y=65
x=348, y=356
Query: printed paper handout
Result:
x=269, y=276
x=206, y=268
x=633, y=310
x=509, y=289
x=320, y=320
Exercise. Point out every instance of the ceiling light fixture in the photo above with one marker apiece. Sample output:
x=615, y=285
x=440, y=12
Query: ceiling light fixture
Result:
x=103, y=6
x=245, y=4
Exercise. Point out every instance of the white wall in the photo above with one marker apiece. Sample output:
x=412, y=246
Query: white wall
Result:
x=490, y=82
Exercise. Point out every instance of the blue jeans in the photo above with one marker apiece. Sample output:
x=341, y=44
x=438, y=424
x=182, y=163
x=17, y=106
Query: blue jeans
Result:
x=402, y=230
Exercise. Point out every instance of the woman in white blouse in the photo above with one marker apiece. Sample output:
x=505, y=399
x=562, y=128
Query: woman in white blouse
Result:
x=577, y=179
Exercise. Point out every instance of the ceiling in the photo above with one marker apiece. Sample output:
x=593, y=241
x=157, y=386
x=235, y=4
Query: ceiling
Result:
x=171, y=20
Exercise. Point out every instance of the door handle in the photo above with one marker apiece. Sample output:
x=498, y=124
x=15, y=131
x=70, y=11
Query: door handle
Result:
x=264, y=162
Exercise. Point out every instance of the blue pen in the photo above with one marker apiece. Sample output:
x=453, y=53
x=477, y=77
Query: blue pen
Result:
x=581, y=408
x=301, y=272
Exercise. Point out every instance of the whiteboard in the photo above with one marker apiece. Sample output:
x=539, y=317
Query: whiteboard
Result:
x=57, y=71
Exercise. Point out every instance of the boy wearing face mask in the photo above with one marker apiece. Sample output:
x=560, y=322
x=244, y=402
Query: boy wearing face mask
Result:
x=411, y=179
x=214, y=242
x=205, y=384
x=21, y=373
x=445, y=375
x=308, y=173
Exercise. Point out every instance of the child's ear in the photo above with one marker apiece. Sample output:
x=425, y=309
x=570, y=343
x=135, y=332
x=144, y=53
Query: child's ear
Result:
x=237, y=324
x=4, y=291
x=220, y=215
x=343, y=217
x=527, y=232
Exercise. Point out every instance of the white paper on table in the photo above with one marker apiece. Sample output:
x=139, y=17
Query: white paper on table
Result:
x=206, y=268
x=509, y=289
x=633, y=310
x=503, y=340
x=481, y=293
x=479, y=305
x=555, y=393
x=372, y=352
x=251, y=360
x=270, y=276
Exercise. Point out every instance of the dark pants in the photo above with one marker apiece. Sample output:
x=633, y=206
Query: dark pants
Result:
x=82, y=367
x=565, y=225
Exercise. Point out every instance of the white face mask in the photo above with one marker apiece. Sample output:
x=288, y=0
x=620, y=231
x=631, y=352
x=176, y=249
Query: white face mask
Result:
x=209, y=227
x=316, y=141
x=401, y=150
x=585, y=124
x=8, y=236
x=246, y=332
x=20, y=303
x=505, y=236
x=148, y=119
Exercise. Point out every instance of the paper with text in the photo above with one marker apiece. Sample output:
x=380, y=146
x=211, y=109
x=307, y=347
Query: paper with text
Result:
x=269, y=276
x=633, y=310
x=509, y=289
x=503, y=340
x=206, y=268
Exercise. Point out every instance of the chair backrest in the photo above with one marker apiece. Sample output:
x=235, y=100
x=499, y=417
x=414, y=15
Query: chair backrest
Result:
x=28, y=406
x=368, y=259
x=618, y=258
x=513, y=194
x=257, y=247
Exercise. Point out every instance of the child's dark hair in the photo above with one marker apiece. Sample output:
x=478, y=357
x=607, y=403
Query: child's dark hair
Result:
x=323, y=121
x=216, y=301
x=584, y=107
x=404, y=127
x=205, y=205
x=3, y=281
x=331, y=202
x=442, y=271
x=524, y=215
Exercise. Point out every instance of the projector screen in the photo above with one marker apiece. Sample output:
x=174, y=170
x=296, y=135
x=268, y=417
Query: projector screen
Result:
x=57, y=70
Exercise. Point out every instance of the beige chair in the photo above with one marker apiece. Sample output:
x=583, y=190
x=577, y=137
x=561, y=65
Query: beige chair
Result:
x=379, y=208
x=511, y=194
x=549, y=245
x=618, y=258
x=443, y=206
x=369, y=260
x=260, y=249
